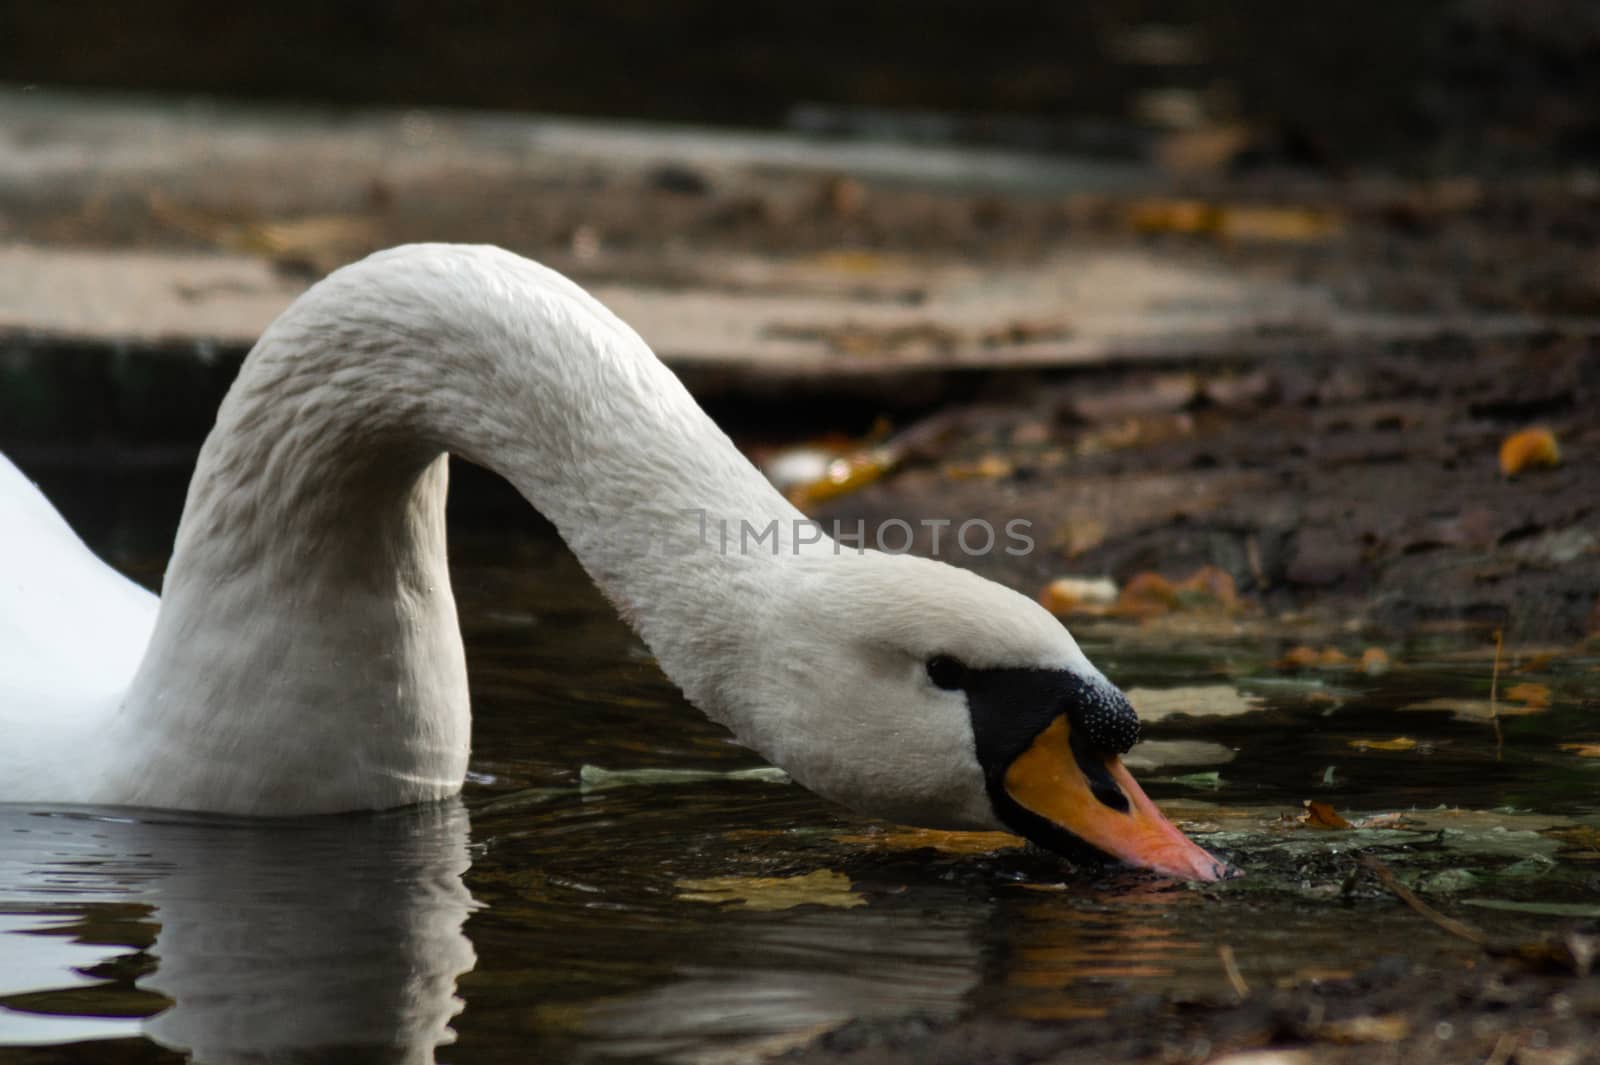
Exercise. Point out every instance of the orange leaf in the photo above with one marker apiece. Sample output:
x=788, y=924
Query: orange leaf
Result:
x=1533, y=696
x=1301, y=657
x=1147, y=594
x=1067, y=595
x=1374, y=660
x=1529, y=448
x=1322, y=815
x=1208, y=586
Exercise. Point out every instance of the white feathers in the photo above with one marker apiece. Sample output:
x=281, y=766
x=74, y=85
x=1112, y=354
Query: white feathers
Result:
x=306, y=656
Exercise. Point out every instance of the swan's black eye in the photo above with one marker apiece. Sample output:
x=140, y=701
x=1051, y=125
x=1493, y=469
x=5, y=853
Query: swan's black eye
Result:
x=946, y=672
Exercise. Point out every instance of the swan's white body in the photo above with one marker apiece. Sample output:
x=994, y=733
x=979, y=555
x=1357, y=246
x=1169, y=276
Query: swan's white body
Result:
x=305, y=656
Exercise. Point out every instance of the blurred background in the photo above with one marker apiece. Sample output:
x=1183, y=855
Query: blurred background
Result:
x=1427, y=81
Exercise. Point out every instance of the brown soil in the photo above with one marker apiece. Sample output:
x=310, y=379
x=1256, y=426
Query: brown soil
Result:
x=1355, y=483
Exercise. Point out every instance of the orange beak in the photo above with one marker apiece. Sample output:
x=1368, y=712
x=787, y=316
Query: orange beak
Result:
x=1046, y=781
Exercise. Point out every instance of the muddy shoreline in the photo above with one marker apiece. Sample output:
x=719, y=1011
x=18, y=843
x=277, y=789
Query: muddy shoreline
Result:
x=1393, y=1011
x=1363, y=486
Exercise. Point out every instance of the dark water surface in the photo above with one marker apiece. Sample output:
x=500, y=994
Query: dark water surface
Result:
x=543, y=919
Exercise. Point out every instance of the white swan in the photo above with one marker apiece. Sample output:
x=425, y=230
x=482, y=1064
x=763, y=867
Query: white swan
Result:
x=305, y=657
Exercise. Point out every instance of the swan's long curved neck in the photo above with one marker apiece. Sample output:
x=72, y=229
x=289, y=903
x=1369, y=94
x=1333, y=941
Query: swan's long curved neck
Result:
x=307, y=655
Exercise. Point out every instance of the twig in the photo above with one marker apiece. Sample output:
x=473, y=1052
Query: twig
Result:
x=1494, y=700
x=1407, y=896
x=1230, y=967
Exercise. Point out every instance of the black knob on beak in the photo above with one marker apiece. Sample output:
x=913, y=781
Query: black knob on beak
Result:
x=1102, y=715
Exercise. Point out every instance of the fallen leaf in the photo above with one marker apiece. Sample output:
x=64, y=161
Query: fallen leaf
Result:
x=1532, y=696
x=1208, y=588
x=1303, y=657
x=1399, y=743
x=1583, y=750
x=1065, y=595
x=1279, y=224
x=824, y=887
x=844, y=475
x=1528, y=449
x=1322, y=815
x=1147, y=594
x=1537, y=662
x=1238, y=222
x=1188, y=217
x=318, y=242
x=1151, y=594
x=1300, y=657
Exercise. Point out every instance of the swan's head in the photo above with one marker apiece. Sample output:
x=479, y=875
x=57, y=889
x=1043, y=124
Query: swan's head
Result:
x=920, y=693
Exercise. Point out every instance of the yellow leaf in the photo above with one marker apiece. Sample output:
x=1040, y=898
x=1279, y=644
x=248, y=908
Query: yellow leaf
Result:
x=1233, y=221
x=1399, y=743
x=821, y=888
x=1533, y=696
x=843, y=475
x=1285, y=224
x=1529, y=448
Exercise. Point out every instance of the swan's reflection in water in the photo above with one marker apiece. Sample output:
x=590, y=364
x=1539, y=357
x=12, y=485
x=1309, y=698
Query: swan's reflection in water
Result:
x=356, y=939
x=343, y=939
x=325, y=939
x=812, y=972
